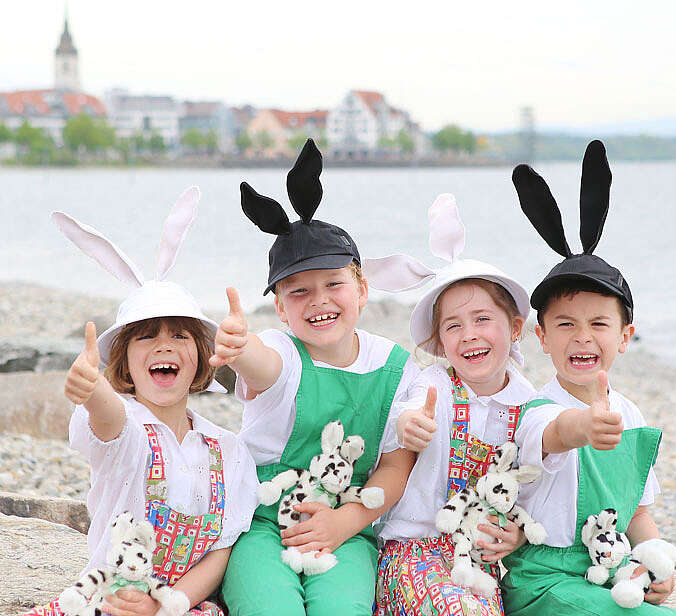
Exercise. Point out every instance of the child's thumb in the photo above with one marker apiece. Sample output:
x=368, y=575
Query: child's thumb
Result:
x=91, y=348
x=602, y=389
x=430, y=402
x=233, y=299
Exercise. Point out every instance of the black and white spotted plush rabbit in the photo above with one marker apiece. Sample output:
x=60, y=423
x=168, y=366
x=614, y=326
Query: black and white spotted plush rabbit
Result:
x=327, y=481
x=607, y=546
x=495, y=494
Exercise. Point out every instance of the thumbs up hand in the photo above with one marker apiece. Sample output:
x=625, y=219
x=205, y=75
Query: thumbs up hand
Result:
x=83, y=375
x=416, y=427
x=603, y=427
x=231, y=337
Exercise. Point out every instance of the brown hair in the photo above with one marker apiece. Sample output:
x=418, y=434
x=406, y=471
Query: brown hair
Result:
x=501, y=296
x=117, y=370
x=355, y=268
x=568, y=288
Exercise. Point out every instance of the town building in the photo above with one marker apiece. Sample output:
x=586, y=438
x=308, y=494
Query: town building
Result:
x=207, y=117
x=276, y=133
x=66, y=68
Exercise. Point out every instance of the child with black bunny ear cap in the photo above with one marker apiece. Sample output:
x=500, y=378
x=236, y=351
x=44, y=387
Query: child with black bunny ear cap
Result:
x=591, y=442
x=293, y=384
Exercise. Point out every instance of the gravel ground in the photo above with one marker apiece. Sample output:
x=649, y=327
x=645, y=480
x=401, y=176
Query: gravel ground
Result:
x=50, y=468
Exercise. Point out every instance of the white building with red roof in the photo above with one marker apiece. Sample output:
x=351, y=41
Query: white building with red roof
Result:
x=283, y=126
x=359, y=125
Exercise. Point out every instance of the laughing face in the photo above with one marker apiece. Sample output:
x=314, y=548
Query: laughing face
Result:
x=322, y=307
x=162, y=366
x=476, y=335
x=583, y=333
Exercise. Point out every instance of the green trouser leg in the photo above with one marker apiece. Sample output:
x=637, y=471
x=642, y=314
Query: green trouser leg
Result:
x=258, y=583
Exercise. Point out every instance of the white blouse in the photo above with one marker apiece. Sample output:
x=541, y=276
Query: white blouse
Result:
x=268, y=419
x=119, y=467
x=413, y=516
x=552, y=499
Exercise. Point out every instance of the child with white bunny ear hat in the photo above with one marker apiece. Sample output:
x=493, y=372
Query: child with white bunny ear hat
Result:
x=149, y=453
x=455, y=417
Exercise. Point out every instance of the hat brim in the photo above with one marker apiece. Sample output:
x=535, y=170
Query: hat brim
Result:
x=320, y=262
x=105, y=340
x=422, y=317
x=542, y=291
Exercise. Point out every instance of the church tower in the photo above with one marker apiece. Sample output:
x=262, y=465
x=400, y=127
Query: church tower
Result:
x=66, y=70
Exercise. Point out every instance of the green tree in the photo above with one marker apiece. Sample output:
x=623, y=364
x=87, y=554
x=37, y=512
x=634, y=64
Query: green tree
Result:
x=5, y=133
x=262, y=140
x=27, y=135
x=140, y=143
x=297, y=141
x=193, y=139
x=156, y=143
x=405, y=141
x=386, y=143
x=243, y=141
x=211, y=142
x=450, y=137
x=82, y=132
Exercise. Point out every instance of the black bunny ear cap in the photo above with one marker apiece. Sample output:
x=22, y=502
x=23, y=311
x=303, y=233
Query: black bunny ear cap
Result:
x=541, y=209
x=306, y=244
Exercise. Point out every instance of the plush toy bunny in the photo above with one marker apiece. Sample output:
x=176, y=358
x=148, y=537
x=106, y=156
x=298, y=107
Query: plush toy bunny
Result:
x=328, y=482
x=658, y=556
x=130, y=566
x=495, y=494
x=607, y=547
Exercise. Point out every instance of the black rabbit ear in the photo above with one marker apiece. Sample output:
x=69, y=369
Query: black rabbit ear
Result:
x=540, y=207
x=302, y=182
x=594, y=195
x=264, y=212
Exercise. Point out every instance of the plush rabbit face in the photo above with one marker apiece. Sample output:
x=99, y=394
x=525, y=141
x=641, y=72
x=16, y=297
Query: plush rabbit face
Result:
x=334, y=466
x=499, y=487
x=131, y=548
x=607, y=547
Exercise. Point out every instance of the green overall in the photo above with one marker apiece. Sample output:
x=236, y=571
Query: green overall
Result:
x=257, y=581
x=549, y=581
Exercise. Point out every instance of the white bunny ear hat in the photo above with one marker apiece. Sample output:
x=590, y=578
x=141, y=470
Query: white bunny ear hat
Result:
x=152, y=298
x=447, y=241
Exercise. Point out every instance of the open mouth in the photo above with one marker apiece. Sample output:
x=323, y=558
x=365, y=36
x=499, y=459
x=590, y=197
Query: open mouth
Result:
x=164, y=374
x=322, y=320
x=584, y=360
x=476, y=355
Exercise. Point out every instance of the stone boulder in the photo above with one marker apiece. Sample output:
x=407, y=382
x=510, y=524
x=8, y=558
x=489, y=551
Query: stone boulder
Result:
x=37, y=561
x=69, y=512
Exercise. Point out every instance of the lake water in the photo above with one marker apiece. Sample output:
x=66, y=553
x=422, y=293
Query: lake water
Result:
x=383, y=209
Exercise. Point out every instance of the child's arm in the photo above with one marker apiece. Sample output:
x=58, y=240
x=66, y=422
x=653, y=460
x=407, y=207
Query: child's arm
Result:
x=258, y=364
x=597, y=425
x=87, y=386
x=641, y=528
x=328, y=528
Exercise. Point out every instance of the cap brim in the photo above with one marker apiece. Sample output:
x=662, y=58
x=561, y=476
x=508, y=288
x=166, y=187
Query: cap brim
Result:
x=542, y=291
x=320, y=262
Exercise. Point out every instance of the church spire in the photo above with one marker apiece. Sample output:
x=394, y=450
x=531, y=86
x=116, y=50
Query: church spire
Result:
x=66, y=70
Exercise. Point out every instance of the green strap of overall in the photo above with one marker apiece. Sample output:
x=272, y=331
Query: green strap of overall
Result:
x=549, y=580
x=360, y=401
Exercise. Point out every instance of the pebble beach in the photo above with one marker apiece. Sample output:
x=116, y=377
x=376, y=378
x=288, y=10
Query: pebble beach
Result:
x=36, y=460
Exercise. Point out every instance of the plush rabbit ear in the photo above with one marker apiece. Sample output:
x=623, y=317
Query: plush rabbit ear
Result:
x=396, y=273
x=332, y=436
x=540, y=206
x=99, y=248
x=175, y=228
x=588, y=529
x=594, y=195
x=302, y=182
x=505, y=456
x=264, y=212
x=447, y=233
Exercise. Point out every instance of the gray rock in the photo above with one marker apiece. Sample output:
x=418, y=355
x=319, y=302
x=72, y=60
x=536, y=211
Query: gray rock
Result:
x=37, y=355
x=40, y=558
x=71, y=513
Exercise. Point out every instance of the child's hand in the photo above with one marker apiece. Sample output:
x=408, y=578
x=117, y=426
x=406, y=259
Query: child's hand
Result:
x=130, y=603
x=324, y=531
x=231, y=337
x=84, y=373
x=416, y=427
x=658, y=592
x=603, y=427
x=506, y=539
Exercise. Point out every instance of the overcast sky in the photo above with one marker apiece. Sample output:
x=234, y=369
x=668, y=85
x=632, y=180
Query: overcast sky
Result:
x=473, y=63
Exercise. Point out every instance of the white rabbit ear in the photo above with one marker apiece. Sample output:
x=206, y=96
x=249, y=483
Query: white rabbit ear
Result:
x=396, y=273
x=447, y=233
x=175, y=228
x=332, y=436
x=99, y=248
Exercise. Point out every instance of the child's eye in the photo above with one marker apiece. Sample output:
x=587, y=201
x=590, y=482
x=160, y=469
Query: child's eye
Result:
x=145, y=337
x=599, y=324
x=181, y=336
x=335, y=283
x=451, y=326
x=483, y=319
x=298, y=291
x=565, y=324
